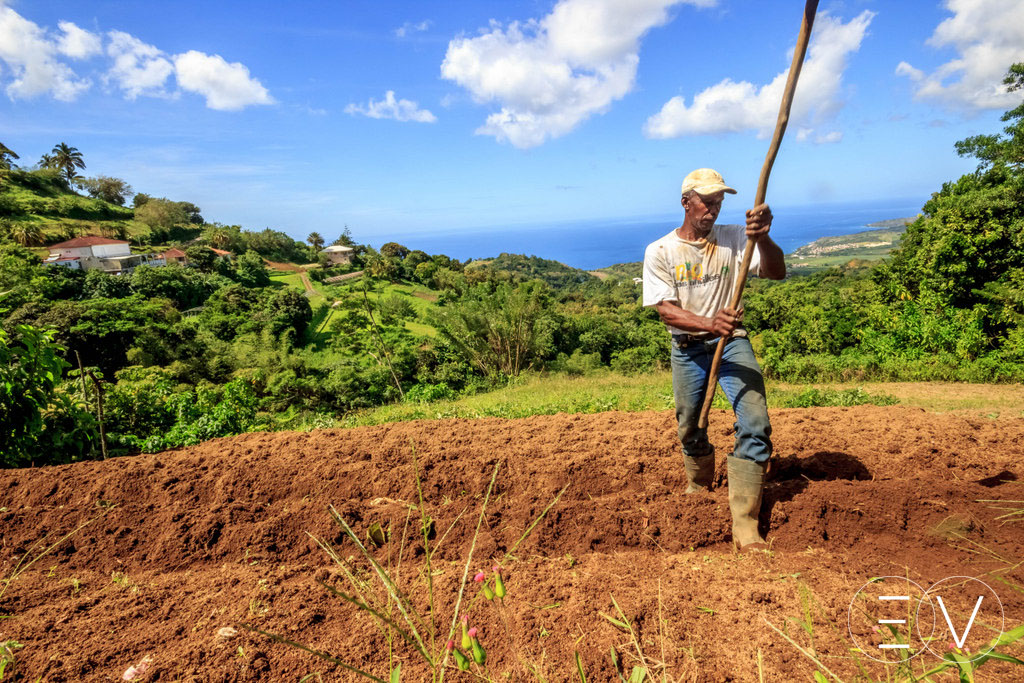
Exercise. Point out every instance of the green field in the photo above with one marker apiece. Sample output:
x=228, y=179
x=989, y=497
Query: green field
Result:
x=547, y=394
x=838, y=250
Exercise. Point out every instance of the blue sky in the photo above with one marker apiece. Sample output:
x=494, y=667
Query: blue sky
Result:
x=269, y=114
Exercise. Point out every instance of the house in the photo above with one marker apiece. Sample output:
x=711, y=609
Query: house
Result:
x=174, y=256
x=338, y=255
x=96, y=253
x=223, y=254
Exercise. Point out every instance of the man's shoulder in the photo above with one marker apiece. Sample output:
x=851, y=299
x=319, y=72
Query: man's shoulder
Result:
x=661, y=242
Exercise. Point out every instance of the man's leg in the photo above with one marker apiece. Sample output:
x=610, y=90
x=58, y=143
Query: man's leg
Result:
x=689, y=380
x=741, y=379
x=743, y=384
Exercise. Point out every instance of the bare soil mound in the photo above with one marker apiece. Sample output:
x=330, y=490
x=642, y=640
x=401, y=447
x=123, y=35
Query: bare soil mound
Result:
x=186, y=542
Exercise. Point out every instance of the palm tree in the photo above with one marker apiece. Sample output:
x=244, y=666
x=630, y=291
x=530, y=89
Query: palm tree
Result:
x=67, y=159
x=47, y=161
x=316, y=240
x=6, y=155
x=27, y=234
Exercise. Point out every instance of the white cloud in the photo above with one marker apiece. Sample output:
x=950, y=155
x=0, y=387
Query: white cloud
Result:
x=32, y=59
x=410, y=27
x=390, y=108
x=227, y=87
x=730, y=106
x=549, y=75
x=988, y=35
x=76, y=42
x=138, y=68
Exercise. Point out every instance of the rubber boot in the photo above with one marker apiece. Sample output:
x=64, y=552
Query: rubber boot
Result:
x=746, y=483
x=699, y=472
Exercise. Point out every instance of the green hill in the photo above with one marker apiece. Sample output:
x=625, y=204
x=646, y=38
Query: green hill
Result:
x=38, y=207
x=522, y=267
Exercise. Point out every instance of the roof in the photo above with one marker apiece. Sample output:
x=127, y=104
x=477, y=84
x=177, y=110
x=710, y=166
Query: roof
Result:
x=220, y=252
x=338, y=247
x=172, y=253
x=90, y=241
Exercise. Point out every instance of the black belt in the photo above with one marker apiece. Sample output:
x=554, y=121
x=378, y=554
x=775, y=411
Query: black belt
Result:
x=683, y=340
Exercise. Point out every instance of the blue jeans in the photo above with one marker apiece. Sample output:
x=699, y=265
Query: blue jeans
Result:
x=739, y=375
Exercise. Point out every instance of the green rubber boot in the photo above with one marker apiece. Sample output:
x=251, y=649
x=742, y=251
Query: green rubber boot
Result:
x=746, y=483
x=699, y=472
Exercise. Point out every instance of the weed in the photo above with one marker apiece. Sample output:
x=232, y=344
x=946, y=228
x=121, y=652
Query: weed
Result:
x=420, y=632
x=7, y=660
x=122, y=580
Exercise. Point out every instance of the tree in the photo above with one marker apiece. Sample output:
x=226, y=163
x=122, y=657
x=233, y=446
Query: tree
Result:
x=47, y=161
x=27, y=234
x=140, y=199
x=6, y=155
x=161, y=213
x=113, y=190
x=201, y=257
x=316, y=240
x=345, y=240
x=394, y=250
x=30, y=404
x=68, y=160
x=504, y=331
x=997, y=150
x=251, y=271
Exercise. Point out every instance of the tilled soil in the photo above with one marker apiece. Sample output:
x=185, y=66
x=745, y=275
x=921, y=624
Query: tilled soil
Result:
x=180, y=544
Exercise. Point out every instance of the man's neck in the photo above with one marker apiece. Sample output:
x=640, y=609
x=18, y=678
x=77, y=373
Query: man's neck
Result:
x=691, y=233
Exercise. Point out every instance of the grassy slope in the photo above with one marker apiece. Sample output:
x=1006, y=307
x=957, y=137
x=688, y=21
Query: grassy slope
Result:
x=547, y=394
x=420, y=297
x=52, y=226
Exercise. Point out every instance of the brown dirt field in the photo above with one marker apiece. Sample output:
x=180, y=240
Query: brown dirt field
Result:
x=184, y=543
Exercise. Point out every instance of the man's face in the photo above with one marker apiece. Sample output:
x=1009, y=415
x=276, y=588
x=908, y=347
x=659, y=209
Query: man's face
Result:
x=702, y=210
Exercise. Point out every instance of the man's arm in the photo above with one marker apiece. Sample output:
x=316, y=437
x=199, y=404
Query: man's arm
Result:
x=773, y=261
x=721, y=325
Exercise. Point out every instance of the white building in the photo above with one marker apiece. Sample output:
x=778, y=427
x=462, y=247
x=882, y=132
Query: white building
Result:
x=96, y=253
x=338, y=255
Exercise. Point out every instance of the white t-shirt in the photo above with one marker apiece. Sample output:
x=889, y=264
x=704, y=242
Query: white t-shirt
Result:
x=699, y=276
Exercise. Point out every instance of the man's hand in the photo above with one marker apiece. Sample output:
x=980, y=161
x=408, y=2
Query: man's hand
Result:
x=759, y=221
x=725, y=321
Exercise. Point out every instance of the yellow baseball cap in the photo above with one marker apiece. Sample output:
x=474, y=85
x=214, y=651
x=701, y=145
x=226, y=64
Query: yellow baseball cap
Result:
x=705, y=181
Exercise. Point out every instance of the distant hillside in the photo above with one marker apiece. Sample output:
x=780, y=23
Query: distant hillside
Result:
x=533, y=267
x=622, y=271
x=894, y=222
x=867, y=246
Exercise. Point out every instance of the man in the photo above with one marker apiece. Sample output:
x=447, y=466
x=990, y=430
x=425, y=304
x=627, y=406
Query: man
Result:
x=689, y=277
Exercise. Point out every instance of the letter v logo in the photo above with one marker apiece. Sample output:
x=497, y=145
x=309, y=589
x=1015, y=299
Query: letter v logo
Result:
x=966, y=601
x=959, y=640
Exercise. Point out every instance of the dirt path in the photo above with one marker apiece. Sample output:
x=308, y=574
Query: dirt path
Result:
x=310, y=291
x=190, y=541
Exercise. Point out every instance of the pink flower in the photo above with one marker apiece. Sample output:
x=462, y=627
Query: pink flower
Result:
x=951, y=645
x=479, y=577
x=465, y=618
x=472, y=632
x=876, y=629
x=451, y=644
x=496, y=568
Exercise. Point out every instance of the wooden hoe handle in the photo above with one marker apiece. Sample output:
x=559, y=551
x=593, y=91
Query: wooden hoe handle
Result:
x=762, y=189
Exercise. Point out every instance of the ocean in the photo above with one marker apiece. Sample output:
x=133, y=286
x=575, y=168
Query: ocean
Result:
x=595, y=244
